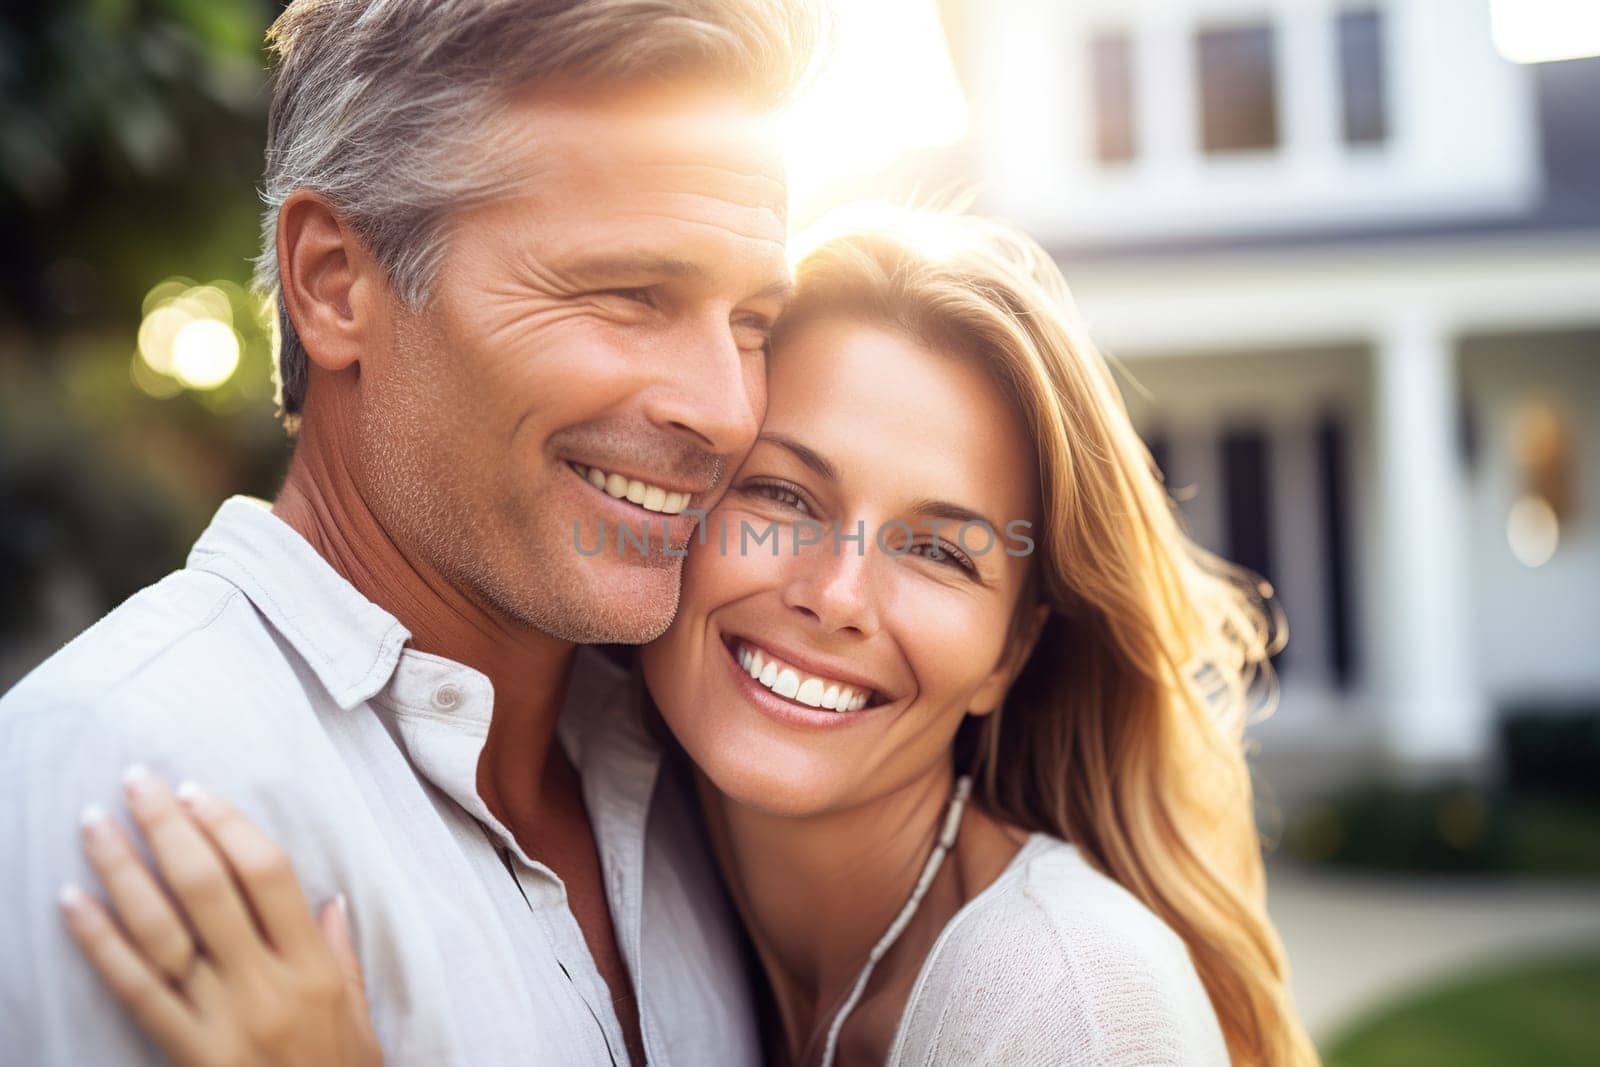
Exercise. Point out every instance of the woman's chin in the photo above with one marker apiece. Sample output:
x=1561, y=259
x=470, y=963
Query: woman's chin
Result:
x=773, y=788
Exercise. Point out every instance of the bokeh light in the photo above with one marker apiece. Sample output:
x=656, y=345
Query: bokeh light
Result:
x=157, y=333
x=1533, y=530
x=187, y=337
x=205, y=353
x=207, y=302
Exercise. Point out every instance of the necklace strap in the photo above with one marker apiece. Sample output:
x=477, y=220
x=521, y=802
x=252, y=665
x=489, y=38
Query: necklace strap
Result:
x=941, y=848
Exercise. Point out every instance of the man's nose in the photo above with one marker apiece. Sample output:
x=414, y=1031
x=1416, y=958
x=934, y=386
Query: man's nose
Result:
x=712, y=390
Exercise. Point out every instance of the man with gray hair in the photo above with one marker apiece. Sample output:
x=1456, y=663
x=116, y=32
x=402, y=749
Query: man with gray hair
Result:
x=525, y=255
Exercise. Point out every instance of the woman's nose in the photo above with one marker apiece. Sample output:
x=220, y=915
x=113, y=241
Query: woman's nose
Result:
x=832, y=581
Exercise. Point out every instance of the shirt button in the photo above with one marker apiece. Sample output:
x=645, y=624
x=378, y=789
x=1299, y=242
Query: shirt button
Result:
x=446, y=697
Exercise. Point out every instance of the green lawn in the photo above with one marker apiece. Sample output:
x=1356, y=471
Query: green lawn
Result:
x=1537, y=1015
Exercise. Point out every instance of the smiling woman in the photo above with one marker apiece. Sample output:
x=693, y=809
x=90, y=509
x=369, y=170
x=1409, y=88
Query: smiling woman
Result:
x=1100, y=900
x=888, y=424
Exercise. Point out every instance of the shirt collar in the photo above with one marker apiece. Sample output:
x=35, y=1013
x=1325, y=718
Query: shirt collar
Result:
x=603, y=730
x=350, y=643
x=443, y=709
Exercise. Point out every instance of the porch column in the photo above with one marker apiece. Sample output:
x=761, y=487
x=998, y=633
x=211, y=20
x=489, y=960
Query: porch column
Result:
x=1435, y=714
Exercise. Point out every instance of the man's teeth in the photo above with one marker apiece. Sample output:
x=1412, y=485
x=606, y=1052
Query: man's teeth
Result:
x=809, y=690
x=647, y=496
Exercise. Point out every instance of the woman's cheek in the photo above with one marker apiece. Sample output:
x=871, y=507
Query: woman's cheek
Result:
x=705, y=565
x=952, y=648
x=730, y=563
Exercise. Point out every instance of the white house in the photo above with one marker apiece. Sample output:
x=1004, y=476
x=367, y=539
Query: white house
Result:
x=1352, y=257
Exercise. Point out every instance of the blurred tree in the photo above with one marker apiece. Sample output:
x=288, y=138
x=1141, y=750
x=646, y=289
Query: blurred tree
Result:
x=128, y=114
x=130, y=143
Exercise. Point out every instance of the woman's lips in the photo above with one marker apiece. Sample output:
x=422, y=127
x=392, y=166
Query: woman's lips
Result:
x=790, y=712
x=800, y=686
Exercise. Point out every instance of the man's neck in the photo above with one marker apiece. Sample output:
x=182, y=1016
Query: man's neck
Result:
x=527, y=669
x=817, y=893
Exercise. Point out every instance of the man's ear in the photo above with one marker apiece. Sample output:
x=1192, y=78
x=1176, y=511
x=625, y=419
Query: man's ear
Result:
x=993, y=690
x=330, y=285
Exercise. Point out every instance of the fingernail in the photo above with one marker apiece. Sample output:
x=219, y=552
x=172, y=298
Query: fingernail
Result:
x=137, y=780
x=342, y=904
x=193, y=795
x=70, y=897
x=94, y=821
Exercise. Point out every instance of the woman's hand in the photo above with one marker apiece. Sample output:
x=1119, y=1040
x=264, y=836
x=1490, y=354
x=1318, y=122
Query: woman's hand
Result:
x=225, y=964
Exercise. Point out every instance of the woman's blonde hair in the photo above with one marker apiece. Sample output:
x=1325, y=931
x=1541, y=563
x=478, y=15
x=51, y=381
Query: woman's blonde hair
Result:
x=1123, y=732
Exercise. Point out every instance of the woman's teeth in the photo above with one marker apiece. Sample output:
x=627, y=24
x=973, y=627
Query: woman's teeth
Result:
x=647, y=496
x=806, y=689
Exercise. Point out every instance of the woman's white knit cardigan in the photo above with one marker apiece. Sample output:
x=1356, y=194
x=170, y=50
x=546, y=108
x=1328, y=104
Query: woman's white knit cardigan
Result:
x=1053, y=963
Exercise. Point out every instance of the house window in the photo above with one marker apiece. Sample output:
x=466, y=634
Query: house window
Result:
x=1111, y=61
x=1247, y=500
x=1247, y=504
x=1238, y=91
x=1361, y=80
x=1332, y=471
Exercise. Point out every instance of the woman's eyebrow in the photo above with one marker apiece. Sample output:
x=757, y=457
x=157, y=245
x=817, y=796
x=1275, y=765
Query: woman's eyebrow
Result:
x=923, y=506
x=944, y=509
x=809, y=456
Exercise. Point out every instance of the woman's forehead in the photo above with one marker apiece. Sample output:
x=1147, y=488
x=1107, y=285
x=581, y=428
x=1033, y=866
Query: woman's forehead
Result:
x=885, y=407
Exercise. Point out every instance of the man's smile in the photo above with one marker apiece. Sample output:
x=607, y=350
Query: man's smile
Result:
x=648, y=495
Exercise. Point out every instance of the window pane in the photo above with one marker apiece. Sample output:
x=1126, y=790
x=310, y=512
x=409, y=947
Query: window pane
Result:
x=1112, y=62
x=1332, y=463
x=1238, y=98
x=1366, y=119
x=1247, y=500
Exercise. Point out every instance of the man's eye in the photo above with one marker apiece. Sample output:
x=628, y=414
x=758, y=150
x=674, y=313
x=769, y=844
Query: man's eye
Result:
x=637, y=296
x=754, y=332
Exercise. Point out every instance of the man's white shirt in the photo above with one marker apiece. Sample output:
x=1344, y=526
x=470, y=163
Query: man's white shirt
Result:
x=258, y=671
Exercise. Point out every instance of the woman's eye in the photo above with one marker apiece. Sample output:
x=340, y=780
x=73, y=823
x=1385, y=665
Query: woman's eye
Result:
x=779, y=494
x=945, y=552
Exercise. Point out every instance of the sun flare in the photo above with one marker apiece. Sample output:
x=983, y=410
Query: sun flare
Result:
x=889, y=87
